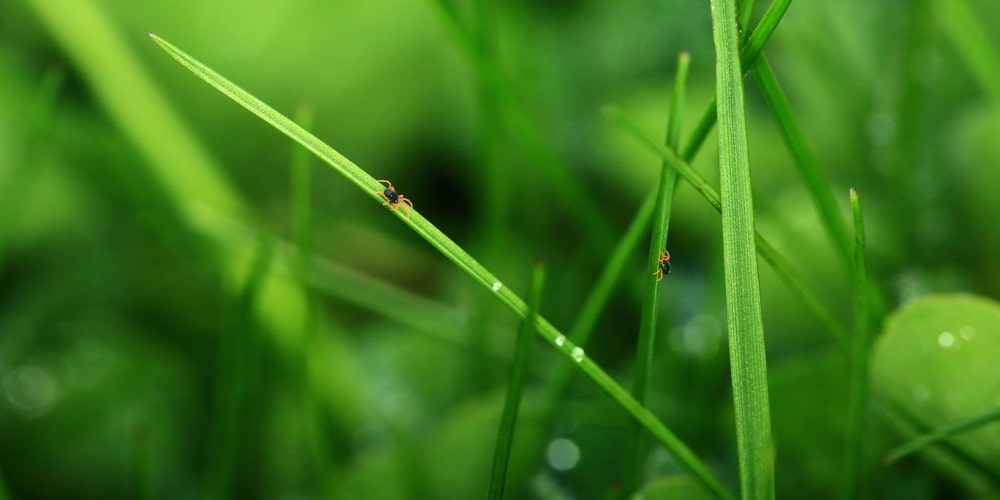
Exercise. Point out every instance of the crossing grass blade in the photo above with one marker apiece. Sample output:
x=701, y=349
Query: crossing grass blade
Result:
x=929, y=439
x=518, y=372
x=460, y=258
x=860, y=347
x=743, y=312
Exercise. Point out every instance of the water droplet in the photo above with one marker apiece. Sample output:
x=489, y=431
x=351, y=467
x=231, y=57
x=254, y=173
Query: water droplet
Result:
x=946, y=339
x=562, y=454
x=967, y=332
x=496, y=286
x=561, y=340
x=577, y=354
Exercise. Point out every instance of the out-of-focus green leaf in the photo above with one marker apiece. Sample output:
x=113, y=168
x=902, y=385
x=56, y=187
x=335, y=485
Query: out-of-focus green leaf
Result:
x=937, y=359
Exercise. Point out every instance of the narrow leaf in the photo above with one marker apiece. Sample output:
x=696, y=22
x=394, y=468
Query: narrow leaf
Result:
x=518, y=371
x=860, y=348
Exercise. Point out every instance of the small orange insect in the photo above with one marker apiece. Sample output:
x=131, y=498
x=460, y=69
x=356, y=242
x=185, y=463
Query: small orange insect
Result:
x=393, y=198
x=664, y=265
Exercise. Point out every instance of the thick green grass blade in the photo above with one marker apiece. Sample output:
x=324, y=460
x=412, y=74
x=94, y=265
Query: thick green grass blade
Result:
x=818, y=188
x=743, y=312
x=778, y=263
x=657, y=244
x=860, y=346
x=973, y=44
x=518, y=372
x=460, y=258
x=941, y=434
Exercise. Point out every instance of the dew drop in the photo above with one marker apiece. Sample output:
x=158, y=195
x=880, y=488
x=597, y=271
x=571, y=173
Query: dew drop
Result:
x=496, y=286
x=561, y=340
x=562, y=454
x=946, y=339
x=577, y=354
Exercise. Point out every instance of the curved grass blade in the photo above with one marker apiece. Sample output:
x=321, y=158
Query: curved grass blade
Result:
x=743, y=312
x=459, y=257
x=518, y=372
x=942, y=433
x=860, y=347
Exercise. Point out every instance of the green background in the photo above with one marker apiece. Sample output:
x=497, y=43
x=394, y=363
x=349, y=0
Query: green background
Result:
x=145, y=353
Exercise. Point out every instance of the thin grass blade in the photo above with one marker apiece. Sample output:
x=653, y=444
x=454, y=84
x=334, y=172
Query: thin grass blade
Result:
x=743, y=312
x=657, y=243
x=518, y=372
x=818, y=188
x=941, y=434
x=860, y=347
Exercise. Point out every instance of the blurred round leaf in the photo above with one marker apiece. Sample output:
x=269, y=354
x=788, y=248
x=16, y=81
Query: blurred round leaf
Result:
x=938, y=360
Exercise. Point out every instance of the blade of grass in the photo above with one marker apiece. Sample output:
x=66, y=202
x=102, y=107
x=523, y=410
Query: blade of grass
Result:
x=743, y=21
x=860, y=344
x=818, y=188
x=973, y=44
x=458, y=256
x=952, y=457
x=743, y=313
x=657, y=242
x=518, y=372
x=778, y=263
x=942, y=433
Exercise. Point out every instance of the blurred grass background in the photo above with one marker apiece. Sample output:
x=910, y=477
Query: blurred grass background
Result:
x=139, y=212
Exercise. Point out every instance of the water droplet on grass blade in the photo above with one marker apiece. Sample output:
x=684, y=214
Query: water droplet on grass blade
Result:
x=496, y=286
x=561, y=340
x=577, y=354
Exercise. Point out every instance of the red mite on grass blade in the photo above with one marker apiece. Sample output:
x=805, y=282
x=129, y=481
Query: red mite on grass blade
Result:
x=664, y=265
x=393, y=198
